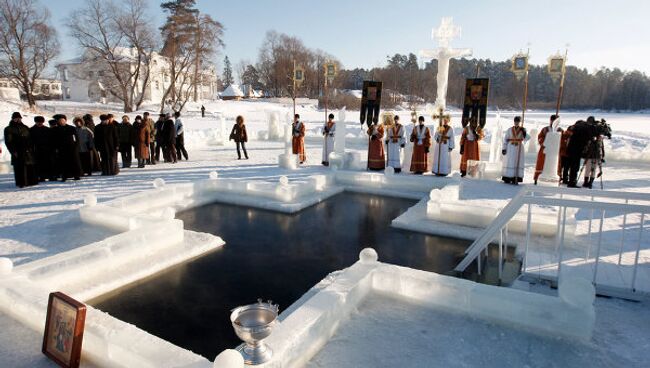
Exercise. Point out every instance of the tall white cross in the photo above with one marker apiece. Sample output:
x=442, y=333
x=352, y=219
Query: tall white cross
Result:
x=444, y=34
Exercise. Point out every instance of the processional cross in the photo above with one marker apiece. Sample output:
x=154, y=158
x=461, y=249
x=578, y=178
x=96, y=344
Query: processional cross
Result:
x=444, y=34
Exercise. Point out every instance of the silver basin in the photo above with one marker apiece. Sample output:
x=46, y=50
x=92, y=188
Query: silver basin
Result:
x=253, y=323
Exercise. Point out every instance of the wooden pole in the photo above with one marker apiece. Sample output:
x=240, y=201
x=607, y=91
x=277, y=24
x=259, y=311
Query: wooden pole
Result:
x=326, y=98
x=561, y=91
x=293, y=77
x=523, y=113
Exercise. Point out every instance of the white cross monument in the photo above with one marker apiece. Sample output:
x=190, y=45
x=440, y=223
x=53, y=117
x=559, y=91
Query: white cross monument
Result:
x=444, y=34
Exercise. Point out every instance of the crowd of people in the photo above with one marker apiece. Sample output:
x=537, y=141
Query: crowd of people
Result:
x=579, y=143
x=60, y=151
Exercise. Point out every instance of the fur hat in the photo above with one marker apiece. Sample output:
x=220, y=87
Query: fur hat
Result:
x=16, y=115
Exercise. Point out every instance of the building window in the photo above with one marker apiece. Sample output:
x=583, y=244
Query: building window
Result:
x=100, y=73
x=67, y=93
x=65, y=74
x=91, y=74
x=55, y=87
x=157, y=85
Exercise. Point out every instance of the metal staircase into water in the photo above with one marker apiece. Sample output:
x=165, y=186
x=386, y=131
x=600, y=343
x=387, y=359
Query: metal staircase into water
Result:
x=615, y=256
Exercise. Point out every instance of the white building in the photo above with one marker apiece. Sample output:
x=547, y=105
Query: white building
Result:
x=87, y=79
x=44, y=89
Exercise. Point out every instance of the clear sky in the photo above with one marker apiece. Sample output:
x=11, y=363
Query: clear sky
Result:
x=361, y=33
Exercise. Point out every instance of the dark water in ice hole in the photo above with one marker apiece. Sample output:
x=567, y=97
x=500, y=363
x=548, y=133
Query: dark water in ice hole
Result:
x=272, y=256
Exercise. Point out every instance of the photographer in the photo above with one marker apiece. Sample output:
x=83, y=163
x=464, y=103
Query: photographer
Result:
x=594, y=153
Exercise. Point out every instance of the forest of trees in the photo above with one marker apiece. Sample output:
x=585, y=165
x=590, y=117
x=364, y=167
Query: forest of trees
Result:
x=607, y=89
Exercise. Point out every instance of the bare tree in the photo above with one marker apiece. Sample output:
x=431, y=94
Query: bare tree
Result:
x=117, y=38
x=275, y=65
x=134, y=23
x=190, y=40
x=28, y=43
x=240, y=69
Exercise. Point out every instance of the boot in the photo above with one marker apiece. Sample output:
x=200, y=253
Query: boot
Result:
x=591, y=183
x=586, y=183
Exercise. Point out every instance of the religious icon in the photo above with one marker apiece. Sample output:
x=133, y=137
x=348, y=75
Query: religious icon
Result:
x=370, y=102
x=476, y=92
x=372, y=93
x=64, y=327
x=556, y=65
x=520, y=63
x=299, y=75
x=476, y=101
x=330, y=70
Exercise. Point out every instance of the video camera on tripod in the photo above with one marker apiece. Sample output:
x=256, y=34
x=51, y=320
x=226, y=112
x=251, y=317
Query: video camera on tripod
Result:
x=602, y=128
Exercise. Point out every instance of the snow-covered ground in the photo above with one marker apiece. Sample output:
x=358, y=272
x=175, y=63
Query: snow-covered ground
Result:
x=40, y=221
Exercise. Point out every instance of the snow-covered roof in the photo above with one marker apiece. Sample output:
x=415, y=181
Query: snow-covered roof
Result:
x=232, y=90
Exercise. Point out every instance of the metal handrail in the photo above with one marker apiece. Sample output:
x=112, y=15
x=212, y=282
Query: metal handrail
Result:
x=531, y=196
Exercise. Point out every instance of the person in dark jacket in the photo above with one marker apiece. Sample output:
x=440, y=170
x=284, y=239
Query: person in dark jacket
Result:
x=19, y=143
x=180, y=137
x=94, y=155
x=202, y=111
x=86, y=145
x=158, y=128
x=238, y=134
x=125, y=131
x=42, y=139
x=55, y=170
x=581, y=133
x=106, y=142
x=141, y=138
x=66, y=143
x=169, y=139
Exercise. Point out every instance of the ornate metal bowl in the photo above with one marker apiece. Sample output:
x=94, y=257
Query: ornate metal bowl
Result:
x=253, y=323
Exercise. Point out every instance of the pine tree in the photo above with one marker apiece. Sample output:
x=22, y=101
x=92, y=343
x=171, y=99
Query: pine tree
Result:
x=227, y=72
x=251, y=77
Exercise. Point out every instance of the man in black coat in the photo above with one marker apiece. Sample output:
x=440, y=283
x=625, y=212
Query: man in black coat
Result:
x=107, y=143
x=42, y=138
x=158, y=128
x=19, y=143
x=96, y=162
x=125, y=133
x=66, y=144
x=169, y=139
x=582, y=133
